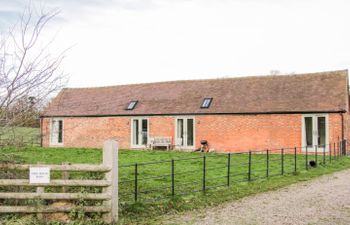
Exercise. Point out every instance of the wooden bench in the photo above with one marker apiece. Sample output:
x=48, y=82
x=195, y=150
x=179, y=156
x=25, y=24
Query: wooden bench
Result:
x=161, y=142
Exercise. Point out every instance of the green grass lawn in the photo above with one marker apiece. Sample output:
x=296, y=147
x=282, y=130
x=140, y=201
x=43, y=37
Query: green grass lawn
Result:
x=25, y=134
x=154, y=181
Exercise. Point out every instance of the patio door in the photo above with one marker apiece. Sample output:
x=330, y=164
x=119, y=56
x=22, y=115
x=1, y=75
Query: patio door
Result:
x=139, y=132
x=185, y=133
x=315, y=132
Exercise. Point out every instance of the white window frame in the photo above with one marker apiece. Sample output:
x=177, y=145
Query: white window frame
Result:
x=55, y=142
x=132, y=132
x=314, y=129
x=194, y=133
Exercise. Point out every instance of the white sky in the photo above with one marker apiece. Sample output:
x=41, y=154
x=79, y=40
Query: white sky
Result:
x=134, y=41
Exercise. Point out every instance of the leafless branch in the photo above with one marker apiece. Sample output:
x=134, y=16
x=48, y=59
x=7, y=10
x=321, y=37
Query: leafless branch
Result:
x=29, y=72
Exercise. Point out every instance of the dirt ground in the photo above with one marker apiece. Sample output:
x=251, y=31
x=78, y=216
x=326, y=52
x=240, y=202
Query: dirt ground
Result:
x=325, y=200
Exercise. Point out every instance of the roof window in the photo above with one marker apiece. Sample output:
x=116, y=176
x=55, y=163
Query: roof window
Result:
x=206, y=103
x=131, y=105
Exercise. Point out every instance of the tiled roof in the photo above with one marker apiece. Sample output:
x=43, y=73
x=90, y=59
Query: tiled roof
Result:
x=313, y=92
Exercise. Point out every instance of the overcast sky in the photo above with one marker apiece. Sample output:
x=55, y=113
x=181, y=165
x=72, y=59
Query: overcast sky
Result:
x=134, y=41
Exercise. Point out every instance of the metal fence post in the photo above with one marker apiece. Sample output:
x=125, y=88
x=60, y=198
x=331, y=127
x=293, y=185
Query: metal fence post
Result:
x=282, y=161
x=330, y=152
x=324, y=154
x=135, y=191
x=267, y=163
x=249, y=165
x=345, y=147
x=341, y=148
x=172, y=177
x=338, y=150
x=316, y=154
x=228, y=168
x=335, y=154
x=204, y=172
x=295, y=159
x=306, y=159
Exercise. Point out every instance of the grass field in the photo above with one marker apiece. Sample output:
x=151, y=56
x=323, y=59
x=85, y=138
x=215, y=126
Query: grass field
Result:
x=25, y=134
x=154, y=185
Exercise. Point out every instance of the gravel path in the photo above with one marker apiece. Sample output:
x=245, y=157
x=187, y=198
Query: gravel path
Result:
x=325, y=200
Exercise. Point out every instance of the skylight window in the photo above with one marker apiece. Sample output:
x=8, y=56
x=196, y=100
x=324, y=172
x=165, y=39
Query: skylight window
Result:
x=206, y=102
x=131, y=105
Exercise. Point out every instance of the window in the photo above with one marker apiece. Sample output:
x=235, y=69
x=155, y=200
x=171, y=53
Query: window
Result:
x=56, y=137
x=131, y=105
x=315, y=132
x=139, y=132
x=206, y=102
x=185, y=132
x=308, y=131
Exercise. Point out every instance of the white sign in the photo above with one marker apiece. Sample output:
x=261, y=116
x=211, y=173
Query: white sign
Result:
x=39, y=175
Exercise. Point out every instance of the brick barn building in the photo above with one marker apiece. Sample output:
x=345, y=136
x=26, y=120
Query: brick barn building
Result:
x=232, y=114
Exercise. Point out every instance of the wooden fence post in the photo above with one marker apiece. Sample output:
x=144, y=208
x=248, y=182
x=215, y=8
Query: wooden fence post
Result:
x=65, y=176
x=110, y=159
x=39, y=189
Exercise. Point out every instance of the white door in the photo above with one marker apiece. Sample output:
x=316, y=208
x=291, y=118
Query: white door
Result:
x=184, y=133
x=139, y=132
x=315, y=132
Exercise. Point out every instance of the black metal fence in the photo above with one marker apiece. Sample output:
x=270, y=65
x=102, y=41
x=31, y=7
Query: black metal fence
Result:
x=159, y=180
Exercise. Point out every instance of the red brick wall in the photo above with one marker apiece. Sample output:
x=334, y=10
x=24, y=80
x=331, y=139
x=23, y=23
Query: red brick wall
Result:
x=224, y=132
x=257, y=132
x=335, y=127
x=45, y=131
x=92, y=131
x=347, y=126
x=252, y=132
x=162, y=126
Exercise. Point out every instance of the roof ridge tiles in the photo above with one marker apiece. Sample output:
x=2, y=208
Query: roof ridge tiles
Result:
x=345, y=71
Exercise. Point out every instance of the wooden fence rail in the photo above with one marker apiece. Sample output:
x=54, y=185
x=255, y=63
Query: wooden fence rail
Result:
x=72, y=167
x=54, y=196
x=109, y=185
x=50, y=209
x=56, y=183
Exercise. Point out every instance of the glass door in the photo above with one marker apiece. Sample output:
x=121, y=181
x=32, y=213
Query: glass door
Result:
x=185, y=133
x=139, y=133
x=56, y=136
x=189, y=133
x=315, y=134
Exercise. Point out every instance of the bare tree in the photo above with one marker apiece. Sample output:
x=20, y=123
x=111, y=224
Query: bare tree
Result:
x=29, y=72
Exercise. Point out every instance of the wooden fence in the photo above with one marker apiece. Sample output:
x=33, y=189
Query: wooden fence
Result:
x=109, y=184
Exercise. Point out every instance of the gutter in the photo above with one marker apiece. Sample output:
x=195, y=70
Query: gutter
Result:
x=198, y=114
